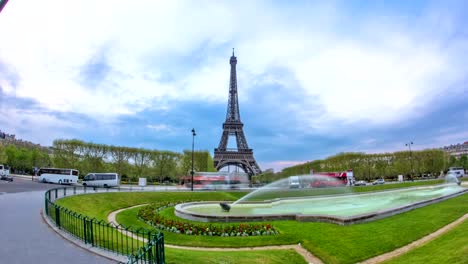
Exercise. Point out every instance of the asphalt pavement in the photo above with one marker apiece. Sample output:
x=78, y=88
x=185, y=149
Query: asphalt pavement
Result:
x=24, y=237
x=23, y=185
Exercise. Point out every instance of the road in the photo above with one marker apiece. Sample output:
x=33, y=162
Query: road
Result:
x=25, y=238
x=23, y=185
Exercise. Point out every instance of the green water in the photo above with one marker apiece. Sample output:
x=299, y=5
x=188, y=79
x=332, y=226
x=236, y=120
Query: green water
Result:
x=342, y=205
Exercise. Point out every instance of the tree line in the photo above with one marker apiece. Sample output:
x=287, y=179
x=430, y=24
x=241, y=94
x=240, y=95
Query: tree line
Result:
x=372, y=166
x=161, y=165
x=130, y=163
x=22, y=159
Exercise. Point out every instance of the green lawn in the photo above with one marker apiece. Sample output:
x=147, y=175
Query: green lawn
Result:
x=451, y=247
x=332, y=243
x=289, y=256
x=99, y=205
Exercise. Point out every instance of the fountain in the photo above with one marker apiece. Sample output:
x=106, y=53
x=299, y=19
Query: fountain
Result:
x=318, y=198
x=452, y=178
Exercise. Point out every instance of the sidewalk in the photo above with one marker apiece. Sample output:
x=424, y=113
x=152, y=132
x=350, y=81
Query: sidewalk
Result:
x=25, y=238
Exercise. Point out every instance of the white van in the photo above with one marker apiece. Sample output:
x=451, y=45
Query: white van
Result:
x=5, y=173
x=458, y=171
x=294, y=182
x=101, y=179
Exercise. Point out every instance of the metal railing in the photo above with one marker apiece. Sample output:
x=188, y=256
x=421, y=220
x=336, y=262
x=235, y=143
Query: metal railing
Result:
x=101, y=234
x=153, y=252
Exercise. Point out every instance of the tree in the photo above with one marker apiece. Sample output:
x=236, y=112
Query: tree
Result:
x=454, y=162
x=94, y=155
x=368, y=166
x=3, y=155
x=165, y=163
x=464, y=161
x=141, y=160
x=119, y=157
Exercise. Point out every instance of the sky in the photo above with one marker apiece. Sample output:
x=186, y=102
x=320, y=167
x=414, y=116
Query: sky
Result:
x=315, y=78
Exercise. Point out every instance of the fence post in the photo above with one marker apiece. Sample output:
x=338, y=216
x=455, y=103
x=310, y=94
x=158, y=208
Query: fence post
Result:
x=74, y=189
x=85, y=231
x=57, y=216
x=90, y=226
x=151, y=245
x=65, y=191
x=56, y=194
x=160, y=258
x=46, y=204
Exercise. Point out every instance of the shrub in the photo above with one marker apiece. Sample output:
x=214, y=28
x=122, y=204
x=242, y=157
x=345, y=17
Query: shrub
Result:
x=150, y=215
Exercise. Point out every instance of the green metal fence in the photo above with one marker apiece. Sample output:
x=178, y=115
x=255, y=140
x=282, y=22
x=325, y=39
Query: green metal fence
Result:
x=153, y=252
x=148, y=247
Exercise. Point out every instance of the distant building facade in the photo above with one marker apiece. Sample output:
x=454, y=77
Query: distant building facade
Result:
x=457, y=150
x=10, y=139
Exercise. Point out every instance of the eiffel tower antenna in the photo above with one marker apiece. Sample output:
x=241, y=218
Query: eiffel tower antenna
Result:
x=242, y=156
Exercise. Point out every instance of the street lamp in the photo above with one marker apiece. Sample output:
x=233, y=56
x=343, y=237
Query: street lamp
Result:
x=193, y=144
x=411, y=157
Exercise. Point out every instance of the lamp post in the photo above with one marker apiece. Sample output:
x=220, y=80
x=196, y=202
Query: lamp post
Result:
x=193, y=144
x=411, y=157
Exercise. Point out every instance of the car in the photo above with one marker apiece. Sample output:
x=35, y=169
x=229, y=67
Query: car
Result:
x=379, y=181
x=360, y=183
x=6, y=177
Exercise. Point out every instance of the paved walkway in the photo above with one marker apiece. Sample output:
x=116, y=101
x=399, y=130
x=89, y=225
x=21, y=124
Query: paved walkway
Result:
x=25, y=238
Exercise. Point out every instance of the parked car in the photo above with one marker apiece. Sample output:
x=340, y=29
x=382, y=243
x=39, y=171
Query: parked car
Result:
x=360, y=183
x=6, y=178
x=5, y=173
x=379, y=181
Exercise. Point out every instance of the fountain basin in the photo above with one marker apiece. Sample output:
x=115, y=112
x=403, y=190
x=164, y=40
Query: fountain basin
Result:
x=338, y=209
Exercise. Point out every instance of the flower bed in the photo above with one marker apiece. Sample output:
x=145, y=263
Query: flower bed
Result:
x=150, y=215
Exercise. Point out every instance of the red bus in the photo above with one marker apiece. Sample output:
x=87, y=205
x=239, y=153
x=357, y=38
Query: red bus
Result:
x=333, y=179
x=213, y=181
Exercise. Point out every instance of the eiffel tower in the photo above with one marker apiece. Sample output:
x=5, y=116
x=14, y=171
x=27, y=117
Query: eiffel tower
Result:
x=242, y=156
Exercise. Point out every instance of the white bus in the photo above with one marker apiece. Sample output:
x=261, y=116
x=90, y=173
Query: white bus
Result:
x=458, y=171
x=60, y=176
x=101, y=179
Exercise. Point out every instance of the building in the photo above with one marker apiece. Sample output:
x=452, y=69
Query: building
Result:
x=457, y=150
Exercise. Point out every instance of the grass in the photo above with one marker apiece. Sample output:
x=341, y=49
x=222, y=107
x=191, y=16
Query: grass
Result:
x=175, y=256
x=332, y=243
x=99, y=205
x=451, y=247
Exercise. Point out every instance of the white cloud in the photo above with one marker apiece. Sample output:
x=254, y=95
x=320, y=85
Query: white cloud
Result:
x=160, y=127
x=378, y=69
x=37, y=127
